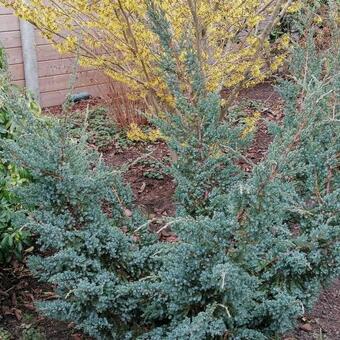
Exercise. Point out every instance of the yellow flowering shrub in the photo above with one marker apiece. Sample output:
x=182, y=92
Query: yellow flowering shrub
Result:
x=229, y=37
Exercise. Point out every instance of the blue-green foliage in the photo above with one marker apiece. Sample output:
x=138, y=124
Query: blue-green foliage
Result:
x=95, y=258
x=250, y=257
x=195, y=132
x=271, y=239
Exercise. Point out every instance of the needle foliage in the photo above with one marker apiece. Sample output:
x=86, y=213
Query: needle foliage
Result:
x=253, y=249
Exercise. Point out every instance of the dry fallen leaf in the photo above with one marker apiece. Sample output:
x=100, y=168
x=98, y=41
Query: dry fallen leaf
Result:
x=17, y=313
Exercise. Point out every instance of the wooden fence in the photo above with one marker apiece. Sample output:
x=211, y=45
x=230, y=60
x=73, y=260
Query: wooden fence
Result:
x=53, y=70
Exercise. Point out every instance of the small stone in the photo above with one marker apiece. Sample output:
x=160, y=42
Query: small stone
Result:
x=124, y=229
x=127, y=212
x=71, y=325
x=306, y=327
x=142, y=188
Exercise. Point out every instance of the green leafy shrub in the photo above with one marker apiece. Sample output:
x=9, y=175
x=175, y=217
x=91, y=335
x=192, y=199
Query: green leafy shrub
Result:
x=4, y=335
x=253, y=250
x=32, y=334
x=15, y=106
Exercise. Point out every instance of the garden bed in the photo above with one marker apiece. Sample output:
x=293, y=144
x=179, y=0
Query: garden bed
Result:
x=153, y=190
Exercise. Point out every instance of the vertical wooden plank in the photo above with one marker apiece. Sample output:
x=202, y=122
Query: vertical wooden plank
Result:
x=29, y=53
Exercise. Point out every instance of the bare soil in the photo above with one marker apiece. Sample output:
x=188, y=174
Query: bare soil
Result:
x=323, y=322
x=153, y=196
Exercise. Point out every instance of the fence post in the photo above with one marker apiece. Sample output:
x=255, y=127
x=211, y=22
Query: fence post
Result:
x=29, y=53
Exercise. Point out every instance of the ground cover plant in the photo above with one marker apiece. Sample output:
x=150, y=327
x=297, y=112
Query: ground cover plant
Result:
x=98, y=126
x=253, y=248
x=103, y=133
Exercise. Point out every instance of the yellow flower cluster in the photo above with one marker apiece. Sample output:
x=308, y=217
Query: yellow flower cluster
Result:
x=68, y=44
x=250, y=123
x=295, y=7
x=136, y=134
x=114, y=35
